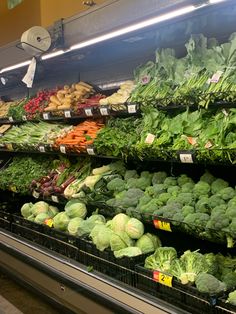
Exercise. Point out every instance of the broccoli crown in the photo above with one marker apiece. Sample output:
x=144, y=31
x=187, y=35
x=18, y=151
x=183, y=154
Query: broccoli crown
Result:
x=183, y=179
x=187, y=187
x=212, y=263
x=187, y=209
x=202, y=205
x=116, y=185
x=145, y=199
x=161, y=259
x=146, y=174
x=218, y=185
x=155, y=190
x=201, y=188
x=177, y=218
x=218, y=222
x=232, y=202
x=170, y=181
x=185, y=199
x=129, y=198
x=232, y=297
x=150, y=207
x=159, y=177
x=207, y=177
x=231, y=212
x=197, y=219
x=229, y=278
x=218, y=210
x=207, y=283
x=130, y=174
x=232, y=226
x=227, y=193
x=163, y=197
x=141, y=183
x=174, y=190
x=215, y=200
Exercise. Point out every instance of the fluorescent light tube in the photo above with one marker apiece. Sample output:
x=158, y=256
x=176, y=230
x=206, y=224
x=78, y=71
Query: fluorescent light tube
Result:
x=215, y=1
x=15, y=66
x=53, y=54
x=135, y=27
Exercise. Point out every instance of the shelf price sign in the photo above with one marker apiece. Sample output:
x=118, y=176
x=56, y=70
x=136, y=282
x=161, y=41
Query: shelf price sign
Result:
x=46, y=116
x=42, y=149
x=24, y=118
x=186, y=158
x=63, y=149
x=67, y=114
x=88, y=112
x=35, y=194
x=162, y=278
x=55, y=199
x=162, y=225
x=90, y=151
x=49, y=222
x=104, y=111
x=132, y=109
x=11, y=119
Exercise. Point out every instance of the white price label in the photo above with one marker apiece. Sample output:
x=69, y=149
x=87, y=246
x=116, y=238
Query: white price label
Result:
x=10, y=119
x=67, y=114
x=24, y=118
x=88, y=112
x=55, y=199
x=63, y=149
x=35, y=194
x=42, y=149
x=150, y=138
x=104, y=111
x=131, y=108
x=90, y=151
x=186, y=158
x=46, y=115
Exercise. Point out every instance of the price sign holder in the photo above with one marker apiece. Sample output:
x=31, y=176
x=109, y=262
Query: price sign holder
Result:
x=42, y=148
x=132, y=108
x=11, y=119
x=186, y=157
x=88, y=112
x=35, y=194
x=67, y=114
x=49, y=222
x=24, y=118
x=90, y=151
x=162, y=278
x=63, y=149
x=55, y=199
x=104, y=110
x=162, y=225
x=46, y=115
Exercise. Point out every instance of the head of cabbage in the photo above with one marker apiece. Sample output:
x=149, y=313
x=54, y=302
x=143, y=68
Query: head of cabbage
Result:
x=120, y=240
x=40, y=218
x=75, y=208
x=39, y=207
x=87, y=225
x=74, y=225
x=26, y=210
x=52, y=211
x=119, y=222
x=61, y=221
x=148, y=243
x=101, y=235
x=134, y=228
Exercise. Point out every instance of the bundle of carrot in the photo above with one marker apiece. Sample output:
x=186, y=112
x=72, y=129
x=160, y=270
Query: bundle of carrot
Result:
x=80, y=136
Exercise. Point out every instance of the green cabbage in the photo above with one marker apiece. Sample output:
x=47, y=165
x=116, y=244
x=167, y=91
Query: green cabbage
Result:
x=75, y=208
x=87, y=225
x=40, y=218
x=148, y=243
x=101, y=236
x=134, y=228
x=74, y=225
x=39, y=207
x=26, y=210
x=61, y=221
x=120, y=240
x=53, y=211
x=129, y=251
x=118, y=222
x=31, y=218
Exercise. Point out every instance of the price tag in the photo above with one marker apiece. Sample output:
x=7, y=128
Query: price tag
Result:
x=67, y=114
x=215, y=77
x=186, y=158
x=162, y=278
x=55, y=199
x=35, y=194
x=208, y=144
x=131, y=108
x=49, y=222
x=24, y=118
x=90, y=151
x=10, y=119
x=150, y=138
x=104, y=111
x=162, y=225
x=42, y=149
x=63, y=149
x=88, y=112
x=46, y=116
x=225, y=112
x=145, y=79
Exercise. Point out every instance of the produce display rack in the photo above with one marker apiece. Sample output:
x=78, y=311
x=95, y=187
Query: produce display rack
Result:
x=70, y=269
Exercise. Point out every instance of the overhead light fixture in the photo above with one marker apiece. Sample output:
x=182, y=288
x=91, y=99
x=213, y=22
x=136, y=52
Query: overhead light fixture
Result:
x=216, y=1
x=135, y=27
x=15, y=66
x=54, y=54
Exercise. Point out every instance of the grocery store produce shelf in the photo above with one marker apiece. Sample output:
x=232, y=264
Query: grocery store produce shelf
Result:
x=69, y=282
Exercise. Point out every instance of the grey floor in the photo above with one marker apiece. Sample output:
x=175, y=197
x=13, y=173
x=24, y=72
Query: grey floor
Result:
x=16, y=300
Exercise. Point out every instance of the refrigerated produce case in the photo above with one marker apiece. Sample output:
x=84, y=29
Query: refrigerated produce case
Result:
x=54, y=265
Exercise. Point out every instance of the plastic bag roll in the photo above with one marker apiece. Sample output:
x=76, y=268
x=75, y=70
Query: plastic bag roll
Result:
x=36, y=40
